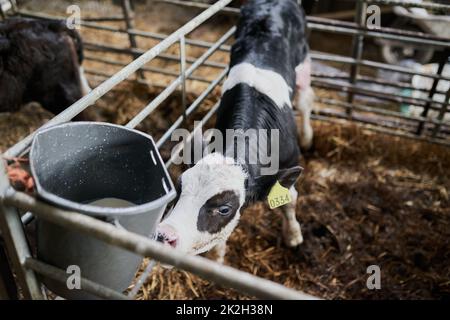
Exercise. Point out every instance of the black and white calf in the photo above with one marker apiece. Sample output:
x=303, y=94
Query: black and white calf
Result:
x=269, y=62
x=40, y=61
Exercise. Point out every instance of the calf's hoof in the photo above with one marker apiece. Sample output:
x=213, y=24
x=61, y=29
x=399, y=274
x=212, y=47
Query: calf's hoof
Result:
x=293, y=242
x=306, y=141
x=292, y=236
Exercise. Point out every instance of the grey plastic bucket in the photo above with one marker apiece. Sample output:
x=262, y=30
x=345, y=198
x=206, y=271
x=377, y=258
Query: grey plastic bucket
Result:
x=75, y=164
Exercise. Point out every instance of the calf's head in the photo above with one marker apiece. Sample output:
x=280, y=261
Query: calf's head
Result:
x=207, y=211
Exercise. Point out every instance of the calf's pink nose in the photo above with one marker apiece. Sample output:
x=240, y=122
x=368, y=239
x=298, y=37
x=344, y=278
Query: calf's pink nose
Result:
x=167, y=235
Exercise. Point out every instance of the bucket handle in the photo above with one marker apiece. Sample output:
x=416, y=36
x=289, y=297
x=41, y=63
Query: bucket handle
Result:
x=115, y=222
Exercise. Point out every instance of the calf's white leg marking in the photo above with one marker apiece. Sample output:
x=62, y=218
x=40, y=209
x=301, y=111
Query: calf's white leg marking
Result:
x=305, y=102
x=292, y=233
x=220, y=251
x=265, y=81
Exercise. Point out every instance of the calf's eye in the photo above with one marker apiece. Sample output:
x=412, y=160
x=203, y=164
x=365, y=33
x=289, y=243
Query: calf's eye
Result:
x=224, y=210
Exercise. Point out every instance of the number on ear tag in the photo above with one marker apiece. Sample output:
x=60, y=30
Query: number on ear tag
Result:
x=278, y=196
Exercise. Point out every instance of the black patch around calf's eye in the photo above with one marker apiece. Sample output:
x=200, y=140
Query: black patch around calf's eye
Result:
x=210, y=218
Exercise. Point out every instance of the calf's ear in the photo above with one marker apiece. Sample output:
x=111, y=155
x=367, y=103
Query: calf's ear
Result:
x=288, y=177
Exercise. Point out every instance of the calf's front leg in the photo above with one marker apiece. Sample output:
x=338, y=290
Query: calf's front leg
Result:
x=292, y=233
x=220, y=251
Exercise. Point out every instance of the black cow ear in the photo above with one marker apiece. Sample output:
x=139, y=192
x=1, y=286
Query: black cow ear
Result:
x=288, y=177
x=178, y=185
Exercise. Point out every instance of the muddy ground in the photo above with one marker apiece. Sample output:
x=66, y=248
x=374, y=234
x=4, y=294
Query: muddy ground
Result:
x=365, y=198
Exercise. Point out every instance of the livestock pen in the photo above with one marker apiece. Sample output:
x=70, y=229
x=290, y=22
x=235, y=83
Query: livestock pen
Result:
x=375, y=189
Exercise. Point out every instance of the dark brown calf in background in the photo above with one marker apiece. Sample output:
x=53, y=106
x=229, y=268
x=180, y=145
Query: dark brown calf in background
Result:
x=40, y=61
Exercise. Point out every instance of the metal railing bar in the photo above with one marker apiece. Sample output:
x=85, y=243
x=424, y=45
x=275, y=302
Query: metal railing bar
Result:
x=372, y=80
x=412, y=3
x=193, y=42
x=104, y=19
x=379, y=35
x=27, y=218
x=331, y=118
x=444, y=110
x=103, y=88
x=85, y=22
x=145, y=69
x=357, y=48
x=105, y=75
x=172, y=86
x=420, y=102
x=183, y=74
x=59, y=275
x=384, y=30
x=370, y=119
x=141, y=33
x=379, y=111
x=441, y=66
x=207, y=269
x=372, y=64
x=102, y=47
x=191, y=108
x=16, y=244
x=404, y=3
x=142, y=279
x=199, y=5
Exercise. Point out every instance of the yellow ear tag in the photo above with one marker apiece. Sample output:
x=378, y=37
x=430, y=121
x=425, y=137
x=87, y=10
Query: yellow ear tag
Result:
x=278, y=196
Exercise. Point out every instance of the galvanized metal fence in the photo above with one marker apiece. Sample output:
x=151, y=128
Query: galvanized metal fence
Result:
x=12, y=202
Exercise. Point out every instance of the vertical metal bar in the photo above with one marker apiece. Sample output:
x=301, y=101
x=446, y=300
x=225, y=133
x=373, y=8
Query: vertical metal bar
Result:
x=14, y=6
x=183, y=75
x=433, y=88
x=444, y=110
x=142, y=279
x=60, y=276
x=16, y=243
x=357, y=47
x=129, y=22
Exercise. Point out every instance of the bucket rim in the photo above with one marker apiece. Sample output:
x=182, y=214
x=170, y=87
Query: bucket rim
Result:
x=97, y=211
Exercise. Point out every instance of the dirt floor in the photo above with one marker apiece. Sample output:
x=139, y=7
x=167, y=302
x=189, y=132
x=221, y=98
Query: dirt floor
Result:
x=365, y=198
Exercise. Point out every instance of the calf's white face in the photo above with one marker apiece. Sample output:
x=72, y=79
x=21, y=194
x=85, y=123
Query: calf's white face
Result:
x=212, y=193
